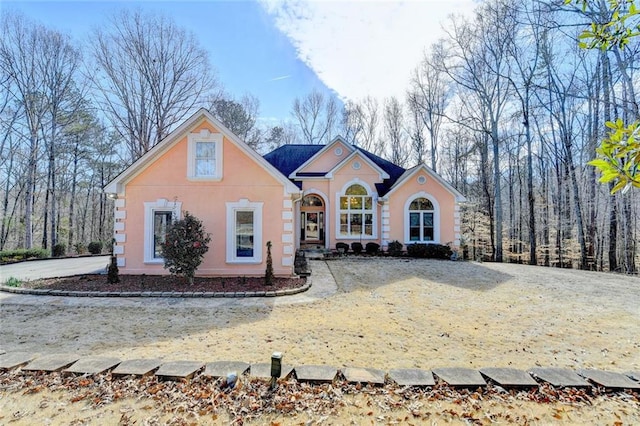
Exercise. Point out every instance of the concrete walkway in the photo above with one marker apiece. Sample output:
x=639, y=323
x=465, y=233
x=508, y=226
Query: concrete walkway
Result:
x=323, y=285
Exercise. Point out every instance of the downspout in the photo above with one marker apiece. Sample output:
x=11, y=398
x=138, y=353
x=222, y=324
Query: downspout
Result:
x=296, y=215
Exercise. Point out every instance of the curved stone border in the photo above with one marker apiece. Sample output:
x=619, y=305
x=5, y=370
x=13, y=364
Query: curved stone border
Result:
x=183, y=294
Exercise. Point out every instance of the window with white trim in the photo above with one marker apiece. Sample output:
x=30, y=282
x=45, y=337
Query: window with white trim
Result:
x=421, y=220
x=244, y=232
x=161, y=221
x=204, y=154
x=158, y=216
x=356, y=212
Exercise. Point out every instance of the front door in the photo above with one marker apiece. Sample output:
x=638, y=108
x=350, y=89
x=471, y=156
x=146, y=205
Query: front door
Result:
x=312, y=221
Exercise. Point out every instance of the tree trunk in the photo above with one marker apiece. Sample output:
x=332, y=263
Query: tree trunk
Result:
x=72, y=201
x=613, y=232
x=497, y=192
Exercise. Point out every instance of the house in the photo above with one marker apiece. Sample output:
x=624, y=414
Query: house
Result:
x=297, y=195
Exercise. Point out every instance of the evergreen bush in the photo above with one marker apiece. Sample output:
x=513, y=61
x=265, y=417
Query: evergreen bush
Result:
x=17, y=255
x=372, y=248
x=429, y=251
x=95, y=247
x=356, y=247
x=184, y=247
x=59, y=250
x=395, y=248
x=343, y=246
x=268, y=274
x=113, y=274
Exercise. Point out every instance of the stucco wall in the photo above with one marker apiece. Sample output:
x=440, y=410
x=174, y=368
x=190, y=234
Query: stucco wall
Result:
x=242, y=178
x=436, y=191
x=328, y=159
x=366, y=176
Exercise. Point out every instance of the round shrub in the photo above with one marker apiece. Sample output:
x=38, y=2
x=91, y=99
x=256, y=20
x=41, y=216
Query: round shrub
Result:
x=372, y=248
x=356, y=247
x=95, y=247
x=395, y=248
x=59, y=250
x=344, y=247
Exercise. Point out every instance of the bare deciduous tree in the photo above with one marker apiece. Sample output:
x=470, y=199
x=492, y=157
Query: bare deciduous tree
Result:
x=317, y=116
x=475, y=58
x=150, y=74
x=21, y=43
x=361, y=122
x=428, y=98
x=394, y=131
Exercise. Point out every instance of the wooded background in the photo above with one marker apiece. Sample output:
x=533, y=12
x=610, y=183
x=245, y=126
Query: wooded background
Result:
x=506, y=107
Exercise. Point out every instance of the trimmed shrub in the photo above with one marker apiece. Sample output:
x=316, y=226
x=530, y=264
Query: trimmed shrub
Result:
x=95, y=247
x=113, y=274
x=417, y=250
x=439, y=251
x=184, y=247
x=59, y=250
x=343, y=246
x=372, y=248
x=356, y=247
x=395, y=248
x=429, y=251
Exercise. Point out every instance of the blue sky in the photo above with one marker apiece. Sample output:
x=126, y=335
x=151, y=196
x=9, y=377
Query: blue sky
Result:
x=278, y=50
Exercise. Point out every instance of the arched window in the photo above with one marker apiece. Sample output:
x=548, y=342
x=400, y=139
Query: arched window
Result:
x=311, y=201
x=356, y=212
x=421, y=220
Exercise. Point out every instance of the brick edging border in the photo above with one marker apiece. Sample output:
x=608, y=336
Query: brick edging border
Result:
x=177, y=294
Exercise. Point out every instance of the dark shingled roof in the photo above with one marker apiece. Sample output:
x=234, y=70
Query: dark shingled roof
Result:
x=288, y=158
x=392, y=170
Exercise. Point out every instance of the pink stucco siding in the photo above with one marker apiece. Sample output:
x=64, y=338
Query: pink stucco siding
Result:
x=163, y=183
x=444, y=200
x=166, y=178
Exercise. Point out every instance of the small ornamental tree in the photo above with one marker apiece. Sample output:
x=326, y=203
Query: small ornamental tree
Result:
x=113, y=275
x=268, y=275
x=184, y=247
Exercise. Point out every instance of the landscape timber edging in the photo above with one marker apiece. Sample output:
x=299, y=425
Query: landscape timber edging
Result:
x=185, y=294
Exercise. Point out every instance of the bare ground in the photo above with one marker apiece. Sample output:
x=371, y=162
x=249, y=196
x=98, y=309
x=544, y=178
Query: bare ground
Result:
x=387, y=313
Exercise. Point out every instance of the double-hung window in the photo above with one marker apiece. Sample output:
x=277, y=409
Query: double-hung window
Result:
x=158, y=215
x=356, y=213
x=204, y=156
x=244, y=232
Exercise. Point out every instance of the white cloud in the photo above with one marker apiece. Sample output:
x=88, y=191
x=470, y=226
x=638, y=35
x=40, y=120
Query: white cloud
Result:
x=360, y=48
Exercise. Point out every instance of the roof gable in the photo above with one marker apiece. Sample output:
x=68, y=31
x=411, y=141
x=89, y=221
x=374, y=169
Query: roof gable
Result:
x=335, y=144
x=118, y=184
x=408, y=174
x=358, y=154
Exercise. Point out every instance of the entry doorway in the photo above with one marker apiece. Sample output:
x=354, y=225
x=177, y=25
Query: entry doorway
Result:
x=312, y=216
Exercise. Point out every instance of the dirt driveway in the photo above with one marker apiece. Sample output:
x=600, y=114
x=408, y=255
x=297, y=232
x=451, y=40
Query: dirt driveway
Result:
x=387, y=313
